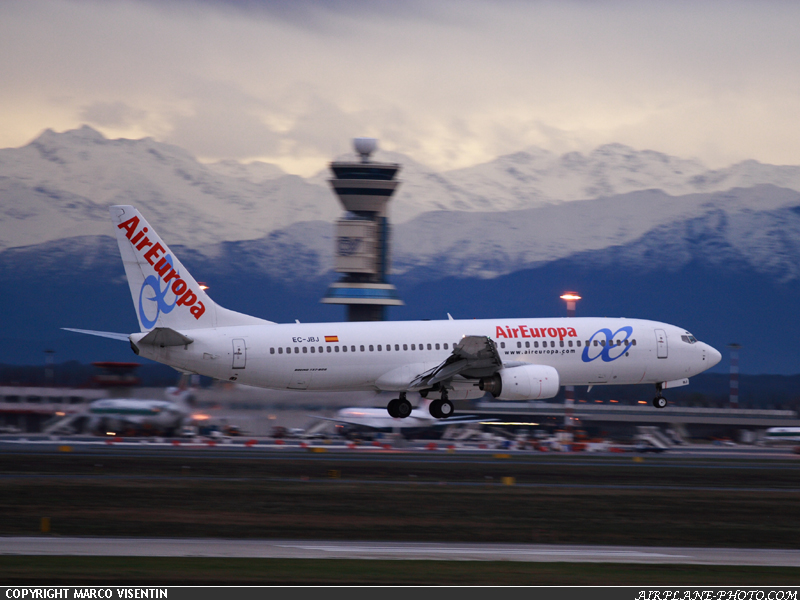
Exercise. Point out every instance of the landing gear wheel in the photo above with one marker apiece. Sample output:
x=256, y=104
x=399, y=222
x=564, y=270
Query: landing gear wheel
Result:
x=446, y=409
x=659, y=401
x=399, y=408
x=441, y=409
x=403, y=408
x=436, y=409
x=392, y=408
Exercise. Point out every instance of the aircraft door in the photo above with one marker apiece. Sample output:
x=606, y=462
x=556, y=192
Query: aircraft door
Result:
x=239, y=354
x=661, y=343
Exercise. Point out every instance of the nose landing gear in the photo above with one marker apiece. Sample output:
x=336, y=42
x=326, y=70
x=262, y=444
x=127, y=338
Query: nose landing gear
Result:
x=659, y=401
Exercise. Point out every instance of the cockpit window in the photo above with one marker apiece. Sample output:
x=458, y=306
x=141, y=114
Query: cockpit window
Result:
x=689, y=339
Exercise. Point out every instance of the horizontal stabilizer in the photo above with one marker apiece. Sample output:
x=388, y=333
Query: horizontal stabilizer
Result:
x=164, y=336
x=123, y=337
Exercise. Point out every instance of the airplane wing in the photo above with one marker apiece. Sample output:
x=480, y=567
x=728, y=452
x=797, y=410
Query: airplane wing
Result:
x=474, y=356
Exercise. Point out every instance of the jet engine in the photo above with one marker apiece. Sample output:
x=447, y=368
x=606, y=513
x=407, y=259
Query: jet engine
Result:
x=527, y=382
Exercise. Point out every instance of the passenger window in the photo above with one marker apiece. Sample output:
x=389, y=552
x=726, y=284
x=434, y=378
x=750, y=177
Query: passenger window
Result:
x=280, y=350
x=272, y=350
x=519, y=344
x=336, y=348
x=437, y=346
x=535, y=344
x=634, y=342
x=353, y=348
x=362, y=348
x=329, y=349
x=388, y=347
x=296, y=350
x=379, y=347
x=527, y=344
x=446, y=347
x=596, y=343
x=578, y=343
x=552, y=344
x=502, y=344
x=371, y=348
x=413, y=346
x=344, y=348
x=405, y=346
x=429, y=347
x=397, y=347
x=561, y=343
x=321, y=349
x=305, y=350
x=569, y=343
x=313, y=349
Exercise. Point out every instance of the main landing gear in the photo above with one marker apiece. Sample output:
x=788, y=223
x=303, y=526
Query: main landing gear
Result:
x=399, y=408
x=442, y=408
x=659, y=401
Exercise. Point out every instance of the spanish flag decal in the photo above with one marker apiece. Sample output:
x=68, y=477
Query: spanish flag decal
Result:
x=331, y=338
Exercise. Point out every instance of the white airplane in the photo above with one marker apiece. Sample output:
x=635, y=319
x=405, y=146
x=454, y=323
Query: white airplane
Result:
x=120, y=415
x=782, y=434
x=377, y=418
x=124, y=414
x=511, y=359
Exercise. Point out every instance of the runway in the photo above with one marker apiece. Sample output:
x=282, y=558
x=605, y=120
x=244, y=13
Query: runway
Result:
x=382, y=450
x=321, y=549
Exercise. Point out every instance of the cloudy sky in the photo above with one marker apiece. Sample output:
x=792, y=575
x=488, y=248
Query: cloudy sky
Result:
x=450, y=83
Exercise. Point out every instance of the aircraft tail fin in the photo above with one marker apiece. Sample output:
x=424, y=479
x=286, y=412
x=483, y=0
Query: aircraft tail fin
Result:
x=183, y=393
x=164, y=293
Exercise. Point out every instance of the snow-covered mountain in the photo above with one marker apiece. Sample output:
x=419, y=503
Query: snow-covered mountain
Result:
x=523, y=179
x=61, y=184
x=759, y=225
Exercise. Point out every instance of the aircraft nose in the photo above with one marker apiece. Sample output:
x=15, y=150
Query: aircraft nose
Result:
x=712, y=356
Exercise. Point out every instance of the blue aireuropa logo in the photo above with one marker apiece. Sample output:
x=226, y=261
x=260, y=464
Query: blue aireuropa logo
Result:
x=609, y=349
x=159, y=297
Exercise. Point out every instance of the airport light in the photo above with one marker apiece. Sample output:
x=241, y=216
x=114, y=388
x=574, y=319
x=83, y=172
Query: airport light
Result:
x=571, y=298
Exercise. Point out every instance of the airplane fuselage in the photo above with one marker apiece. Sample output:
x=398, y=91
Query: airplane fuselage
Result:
x=387, y=355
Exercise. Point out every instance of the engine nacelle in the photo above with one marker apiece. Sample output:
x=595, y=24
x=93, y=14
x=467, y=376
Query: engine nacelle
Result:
x=527, y=382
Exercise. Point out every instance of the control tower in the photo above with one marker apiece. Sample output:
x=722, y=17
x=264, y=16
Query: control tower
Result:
x=362, y=235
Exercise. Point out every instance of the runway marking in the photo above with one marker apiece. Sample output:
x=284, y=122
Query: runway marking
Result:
x=426, y=550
